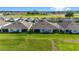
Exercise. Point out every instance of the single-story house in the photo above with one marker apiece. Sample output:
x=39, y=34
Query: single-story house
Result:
x=64, y=25
x=19, y=26
x=40, y=26
x=72, y=28
x=45, y=27
x=62, y=20
x=10, y=19
x=20, y=19
x=68, y=20
x=14, y=27
x=29, y=19
x=69, y=26
x=77, y=20
x=2, y=18
x=27, y=24
x=36, y=20
x=3, y=23
x=45, y=19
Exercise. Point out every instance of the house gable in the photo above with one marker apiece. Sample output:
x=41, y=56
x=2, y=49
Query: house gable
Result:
x=44, y=25
x=15, y=25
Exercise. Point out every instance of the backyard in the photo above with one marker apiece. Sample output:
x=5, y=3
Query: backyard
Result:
x=38, y=42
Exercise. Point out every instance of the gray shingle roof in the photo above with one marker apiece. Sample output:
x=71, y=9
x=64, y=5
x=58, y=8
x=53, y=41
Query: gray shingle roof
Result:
x=64, y=24
x=15, y=25
x=11, y=19
x=2, y=22
x=45, y=25
x=27, y=24
x=73, y=25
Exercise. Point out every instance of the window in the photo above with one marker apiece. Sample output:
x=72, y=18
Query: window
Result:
x=37, y=30
x=75, y=31
x=55, y=31
x=14, y=30
x=43, y=30
x=67, y=30
x=46, y=30
x=5, y=30
x=24, y=30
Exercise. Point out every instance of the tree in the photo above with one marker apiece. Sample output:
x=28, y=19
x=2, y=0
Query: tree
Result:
x=69, y=14
x=35, y=12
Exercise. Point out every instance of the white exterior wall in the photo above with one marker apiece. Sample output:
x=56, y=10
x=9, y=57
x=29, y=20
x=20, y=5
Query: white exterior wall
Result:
x=9, y=30
x=75, y=30
x=46, y=30
x=20, y=30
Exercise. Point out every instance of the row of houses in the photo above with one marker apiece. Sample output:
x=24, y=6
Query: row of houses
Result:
x=42, y=26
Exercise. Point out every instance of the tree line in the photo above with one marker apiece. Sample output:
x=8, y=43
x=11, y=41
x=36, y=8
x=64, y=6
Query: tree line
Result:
x=67, y=14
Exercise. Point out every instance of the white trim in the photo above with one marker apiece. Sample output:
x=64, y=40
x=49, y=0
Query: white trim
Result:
x=29, y=27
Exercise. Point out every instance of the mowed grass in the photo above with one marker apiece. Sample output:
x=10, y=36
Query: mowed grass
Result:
x=22, y=42
x=25, y=45
x=76, y=15
x=34, y=16
x=36, y=42
x=38, y=36
x=67, y=46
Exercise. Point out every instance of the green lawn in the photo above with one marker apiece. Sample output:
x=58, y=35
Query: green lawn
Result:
x=36, y=42
x=33, y=16
x=23, y=42
x=67, y=46
x=38, y=36
x=76, y=15
x=25, y=45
